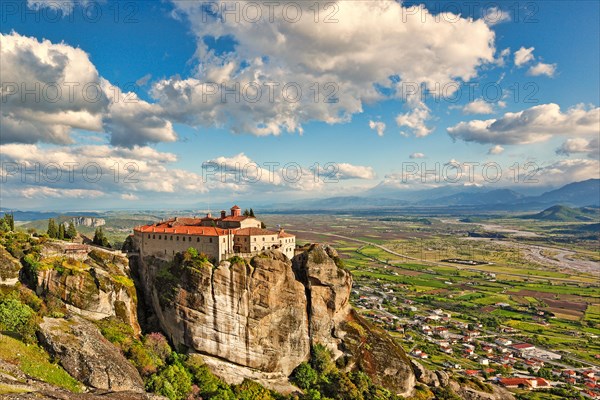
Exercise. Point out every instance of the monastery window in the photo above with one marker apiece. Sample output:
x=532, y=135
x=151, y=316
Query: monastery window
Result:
x=159, y=237
x=148, y=236
x=153, y=236
x=210, y=240
x=171, y=237
x=177, y=237
x=273, y=238
x=263, y=238
x=197, y=239
x=190, y=239
x=165, y=237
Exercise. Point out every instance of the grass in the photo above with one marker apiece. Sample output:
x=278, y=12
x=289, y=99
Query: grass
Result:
x=35, y=362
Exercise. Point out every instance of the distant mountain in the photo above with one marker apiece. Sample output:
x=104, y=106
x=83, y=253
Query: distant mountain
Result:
x=577, y=194
x=493, y=197
x=37, y=215
x=566, y=214
x=342, y=203
x=584, y=193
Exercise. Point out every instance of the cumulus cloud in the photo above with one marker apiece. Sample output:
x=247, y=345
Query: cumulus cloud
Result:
x=542, y=69
x=348, y=61
x=378, y=126
x=497, y=149
x=349, y=171
x=535, y=124
x=580, y=146
x=417, y=155
x=99, y=168
x=567, y=171
x=478, y=106
x=50, y=89
x=415, y=120
x=523, y=56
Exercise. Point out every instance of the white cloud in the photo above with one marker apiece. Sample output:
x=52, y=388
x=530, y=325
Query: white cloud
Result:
x=349, y=171
x=65, y=7
x=478, y=106
x=378, y=126
x=347, y=60
x=542, y=69
x=497, y=149
x=535, y=124
x=523, y=56
x=129, y=197
x=580, y=146
x=568, y=171
x=417, y=155
x=36, y=192
x=495, y=15
x=68, y=94
x=415, y=120
x=101, y=168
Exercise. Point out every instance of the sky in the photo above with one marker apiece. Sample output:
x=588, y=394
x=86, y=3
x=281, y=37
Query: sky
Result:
x=171, y=104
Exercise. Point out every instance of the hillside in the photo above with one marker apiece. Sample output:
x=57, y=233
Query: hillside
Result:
x=563, y=213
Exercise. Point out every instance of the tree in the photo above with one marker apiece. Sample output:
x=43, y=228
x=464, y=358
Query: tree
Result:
x=9, y=219
x=246, y=213
x=251, y=212
x=4, y=227
x=61, y=231
x=304, y=376
x=52, y=229
x=99, y=238
x=71, y=231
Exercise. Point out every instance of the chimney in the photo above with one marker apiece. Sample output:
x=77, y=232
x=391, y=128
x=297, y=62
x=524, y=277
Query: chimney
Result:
x=208, y=215
x=223, y=214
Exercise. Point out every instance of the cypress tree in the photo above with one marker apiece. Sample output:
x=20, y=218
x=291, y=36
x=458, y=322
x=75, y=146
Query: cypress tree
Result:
x=52, y=229
x=61, y=231
x=71, y=231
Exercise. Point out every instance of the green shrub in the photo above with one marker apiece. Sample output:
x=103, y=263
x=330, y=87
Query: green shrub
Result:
x=250, y=390
x=18, y=318
x=174, y=382
x=304, y=376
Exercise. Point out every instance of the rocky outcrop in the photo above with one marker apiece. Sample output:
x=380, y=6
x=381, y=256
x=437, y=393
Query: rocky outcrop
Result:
x=470, y=393
x=9, y=268
x=249, y=314
x=87, y=356
x=97, y=287
x=259, y=319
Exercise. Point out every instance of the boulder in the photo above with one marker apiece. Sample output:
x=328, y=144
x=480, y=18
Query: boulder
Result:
x=87, y=356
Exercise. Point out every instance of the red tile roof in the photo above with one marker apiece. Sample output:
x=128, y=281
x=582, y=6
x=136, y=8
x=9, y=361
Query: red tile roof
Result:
x=183, y=230
x=235, y=218
x=522, y=346
x=254, y=232
x=515, y=382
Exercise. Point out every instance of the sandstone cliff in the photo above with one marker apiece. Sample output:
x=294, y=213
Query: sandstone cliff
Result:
x=259, y=319
x=96, y=287
x=9, y=268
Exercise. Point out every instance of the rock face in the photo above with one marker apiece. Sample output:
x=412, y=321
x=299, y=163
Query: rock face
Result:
x=87, y=356
x=9, y=268
x=469, y=393
x=97, y=287
x=259, y=319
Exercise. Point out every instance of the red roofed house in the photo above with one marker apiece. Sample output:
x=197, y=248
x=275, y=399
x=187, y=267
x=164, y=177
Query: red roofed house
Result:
x=218, y=238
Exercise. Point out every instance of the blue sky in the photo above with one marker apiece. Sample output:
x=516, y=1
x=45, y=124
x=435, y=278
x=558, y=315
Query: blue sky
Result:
x=539, y=62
